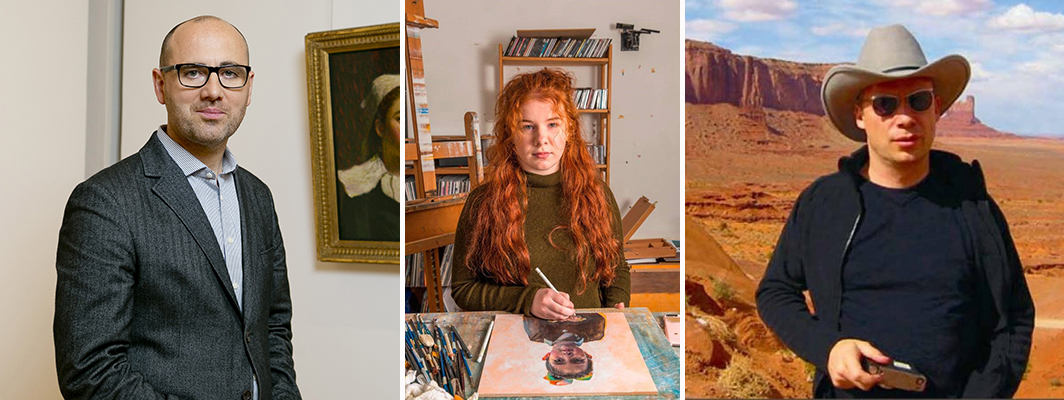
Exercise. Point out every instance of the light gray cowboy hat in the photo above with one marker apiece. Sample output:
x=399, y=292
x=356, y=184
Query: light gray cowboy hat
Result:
x=889, y=53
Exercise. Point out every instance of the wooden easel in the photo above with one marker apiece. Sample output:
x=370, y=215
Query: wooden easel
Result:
x=425, y=171
x=431, y=220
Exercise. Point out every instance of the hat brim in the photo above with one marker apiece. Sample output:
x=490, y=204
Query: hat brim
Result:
x=843, y=83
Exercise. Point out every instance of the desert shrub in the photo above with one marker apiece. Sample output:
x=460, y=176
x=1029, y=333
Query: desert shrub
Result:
x=740, y=381
x=722, y=291
x=1055, y=382
x=810, y=371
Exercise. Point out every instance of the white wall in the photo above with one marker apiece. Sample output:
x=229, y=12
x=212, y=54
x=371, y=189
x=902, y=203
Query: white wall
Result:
x=346, y=316
x=461, y=59
x=42, y=158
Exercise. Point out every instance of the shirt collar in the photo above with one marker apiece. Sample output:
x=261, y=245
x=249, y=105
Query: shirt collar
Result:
x=188, y=163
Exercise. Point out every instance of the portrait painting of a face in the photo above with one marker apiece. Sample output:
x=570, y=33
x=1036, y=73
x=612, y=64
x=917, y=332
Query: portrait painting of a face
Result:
x=354, y=91
x=365, y=87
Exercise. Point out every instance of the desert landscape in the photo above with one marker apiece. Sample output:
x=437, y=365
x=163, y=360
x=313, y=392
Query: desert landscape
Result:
x=755, y=137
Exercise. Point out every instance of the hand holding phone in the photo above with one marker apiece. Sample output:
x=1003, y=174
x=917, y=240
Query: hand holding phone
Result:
x=896, y=375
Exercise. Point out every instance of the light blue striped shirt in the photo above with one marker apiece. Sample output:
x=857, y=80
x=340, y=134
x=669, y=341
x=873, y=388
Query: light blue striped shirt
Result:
x=217, y=195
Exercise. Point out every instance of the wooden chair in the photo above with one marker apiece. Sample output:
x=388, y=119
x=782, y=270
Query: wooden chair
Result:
x=431, y=220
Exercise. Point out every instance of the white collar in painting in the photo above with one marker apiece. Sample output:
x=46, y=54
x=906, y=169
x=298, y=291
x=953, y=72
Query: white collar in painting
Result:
x=362, y=178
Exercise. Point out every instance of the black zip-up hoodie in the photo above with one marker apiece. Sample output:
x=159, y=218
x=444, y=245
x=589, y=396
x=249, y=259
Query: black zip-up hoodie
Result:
x=811, y=252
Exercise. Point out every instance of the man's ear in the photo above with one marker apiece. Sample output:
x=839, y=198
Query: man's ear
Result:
x=858, y=116
x=157, y=82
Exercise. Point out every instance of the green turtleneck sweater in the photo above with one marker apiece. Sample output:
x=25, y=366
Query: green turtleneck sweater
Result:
x=473, y=292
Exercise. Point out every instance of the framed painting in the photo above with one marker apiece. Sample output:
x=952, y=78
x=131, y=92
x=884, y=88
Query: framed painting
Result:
x=354, y=90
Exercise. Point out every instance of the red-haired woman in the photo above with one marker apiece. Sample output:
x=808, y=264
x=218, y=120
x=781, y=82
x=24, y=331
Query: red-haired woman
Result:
x=542, y=206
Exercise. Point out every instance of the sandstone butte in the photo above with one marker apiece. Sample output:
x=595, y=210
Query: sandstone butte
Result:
x=716, y=75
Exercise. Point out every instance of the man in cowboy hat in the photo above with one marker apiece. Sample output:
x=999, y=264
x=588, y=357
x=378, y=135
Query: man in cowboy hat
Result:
x=904, y=254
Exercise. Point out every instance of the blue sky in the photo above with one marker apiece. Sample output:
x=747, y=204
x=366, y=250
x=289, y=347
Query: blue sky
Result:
x=1016, y=48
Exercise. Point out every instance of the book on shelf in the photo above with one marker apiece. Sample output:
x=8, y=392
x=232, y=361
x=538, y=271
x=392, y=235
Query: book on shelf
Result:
x=557, y=47
x=410, y=188
x=415, y=264
x=445, y=185
x=598, y=153
x=590, y=99
x=452, y=184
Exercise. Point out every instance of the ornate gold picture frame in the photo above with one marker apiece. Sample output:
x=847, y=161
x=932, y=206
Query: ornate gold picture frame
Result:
x=350, y=87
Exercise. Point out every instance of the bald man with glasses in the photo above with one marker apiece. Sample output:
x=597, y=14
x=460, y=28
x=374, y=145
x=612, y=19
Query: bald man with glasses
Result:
x=171, y=273
x=908, y=260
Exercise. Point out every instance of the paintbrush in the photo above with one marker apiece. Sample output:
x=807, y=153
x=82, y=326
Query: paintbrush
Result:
x=546, y=280
x=451, y=351
x=461, y=343
x=484, y=345
x=411, y=355
x=459, y=360
x=462, y=362
x=446, y=380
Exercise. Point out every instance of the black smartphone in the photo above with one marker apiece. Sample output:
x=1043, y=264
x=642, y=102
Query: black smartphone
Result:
x=897, y=375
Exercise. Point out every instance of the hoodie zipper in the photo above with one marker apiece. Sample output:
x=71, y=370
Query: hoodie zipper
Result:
x=842, y=264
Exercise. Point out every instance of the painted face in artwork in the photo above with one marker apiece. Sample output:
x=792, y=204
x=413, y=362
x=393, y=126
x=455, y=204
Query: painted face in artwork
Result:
x=388, y=130
x=566, y=362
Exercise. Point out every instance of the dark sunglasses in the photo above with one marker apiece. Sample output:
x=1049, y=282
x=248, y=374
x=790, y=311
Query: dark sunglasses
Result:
x=885, y=104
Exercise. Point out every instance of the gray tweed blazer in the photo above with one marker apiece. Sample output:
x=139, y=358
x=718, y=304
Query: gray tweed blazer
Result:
x=144, y=308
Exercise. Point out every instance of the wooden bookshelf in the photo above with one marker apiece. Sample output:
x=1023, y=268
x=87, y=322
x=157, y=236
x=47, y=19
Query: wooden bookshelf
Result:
x=557, y=60
x=605, y=81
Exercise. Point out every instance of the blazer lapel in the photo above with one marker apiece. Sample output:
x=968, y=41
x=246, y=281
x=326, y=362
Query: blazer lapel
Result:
x=173, y=188
x=248, y=221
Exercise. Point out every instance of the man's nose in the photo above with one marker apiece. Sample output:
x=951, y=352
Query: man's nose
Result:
x=212, y=90
x=905, y=117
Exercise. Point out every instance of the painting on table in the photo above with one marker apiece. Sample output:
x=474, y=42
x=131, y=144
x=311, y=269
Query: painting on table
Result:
x=590, y=354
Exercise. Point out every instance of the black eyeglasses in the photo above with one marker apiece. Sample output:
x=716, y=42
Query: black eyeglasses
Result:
x=886, y=105
x=196, y=75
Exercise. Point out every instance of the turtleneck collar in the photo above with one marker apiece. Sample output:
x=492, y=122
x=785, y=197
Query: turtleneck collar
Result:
x=554, y=179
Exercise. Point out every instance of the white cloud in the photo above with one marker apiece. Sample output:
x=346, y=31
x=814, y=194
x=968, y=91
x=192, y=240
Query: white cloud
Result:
x=942, y=8
x=1022, y=18
x=1043, y=69
x=839, y=29
x=695, y=4
x=979, y=73
x=1020, y=101
x=757, y=10
x=707, y=29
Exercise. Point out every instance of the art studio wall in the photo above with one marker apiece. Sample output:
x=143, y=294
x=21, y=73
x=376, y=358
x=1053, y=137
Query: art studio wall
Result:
x=461, y=71
x=346, y=316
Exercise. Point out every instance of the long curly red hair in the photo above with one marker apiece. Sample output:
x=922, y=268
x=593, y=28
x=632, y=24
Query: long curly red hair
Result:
x=497, y=246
